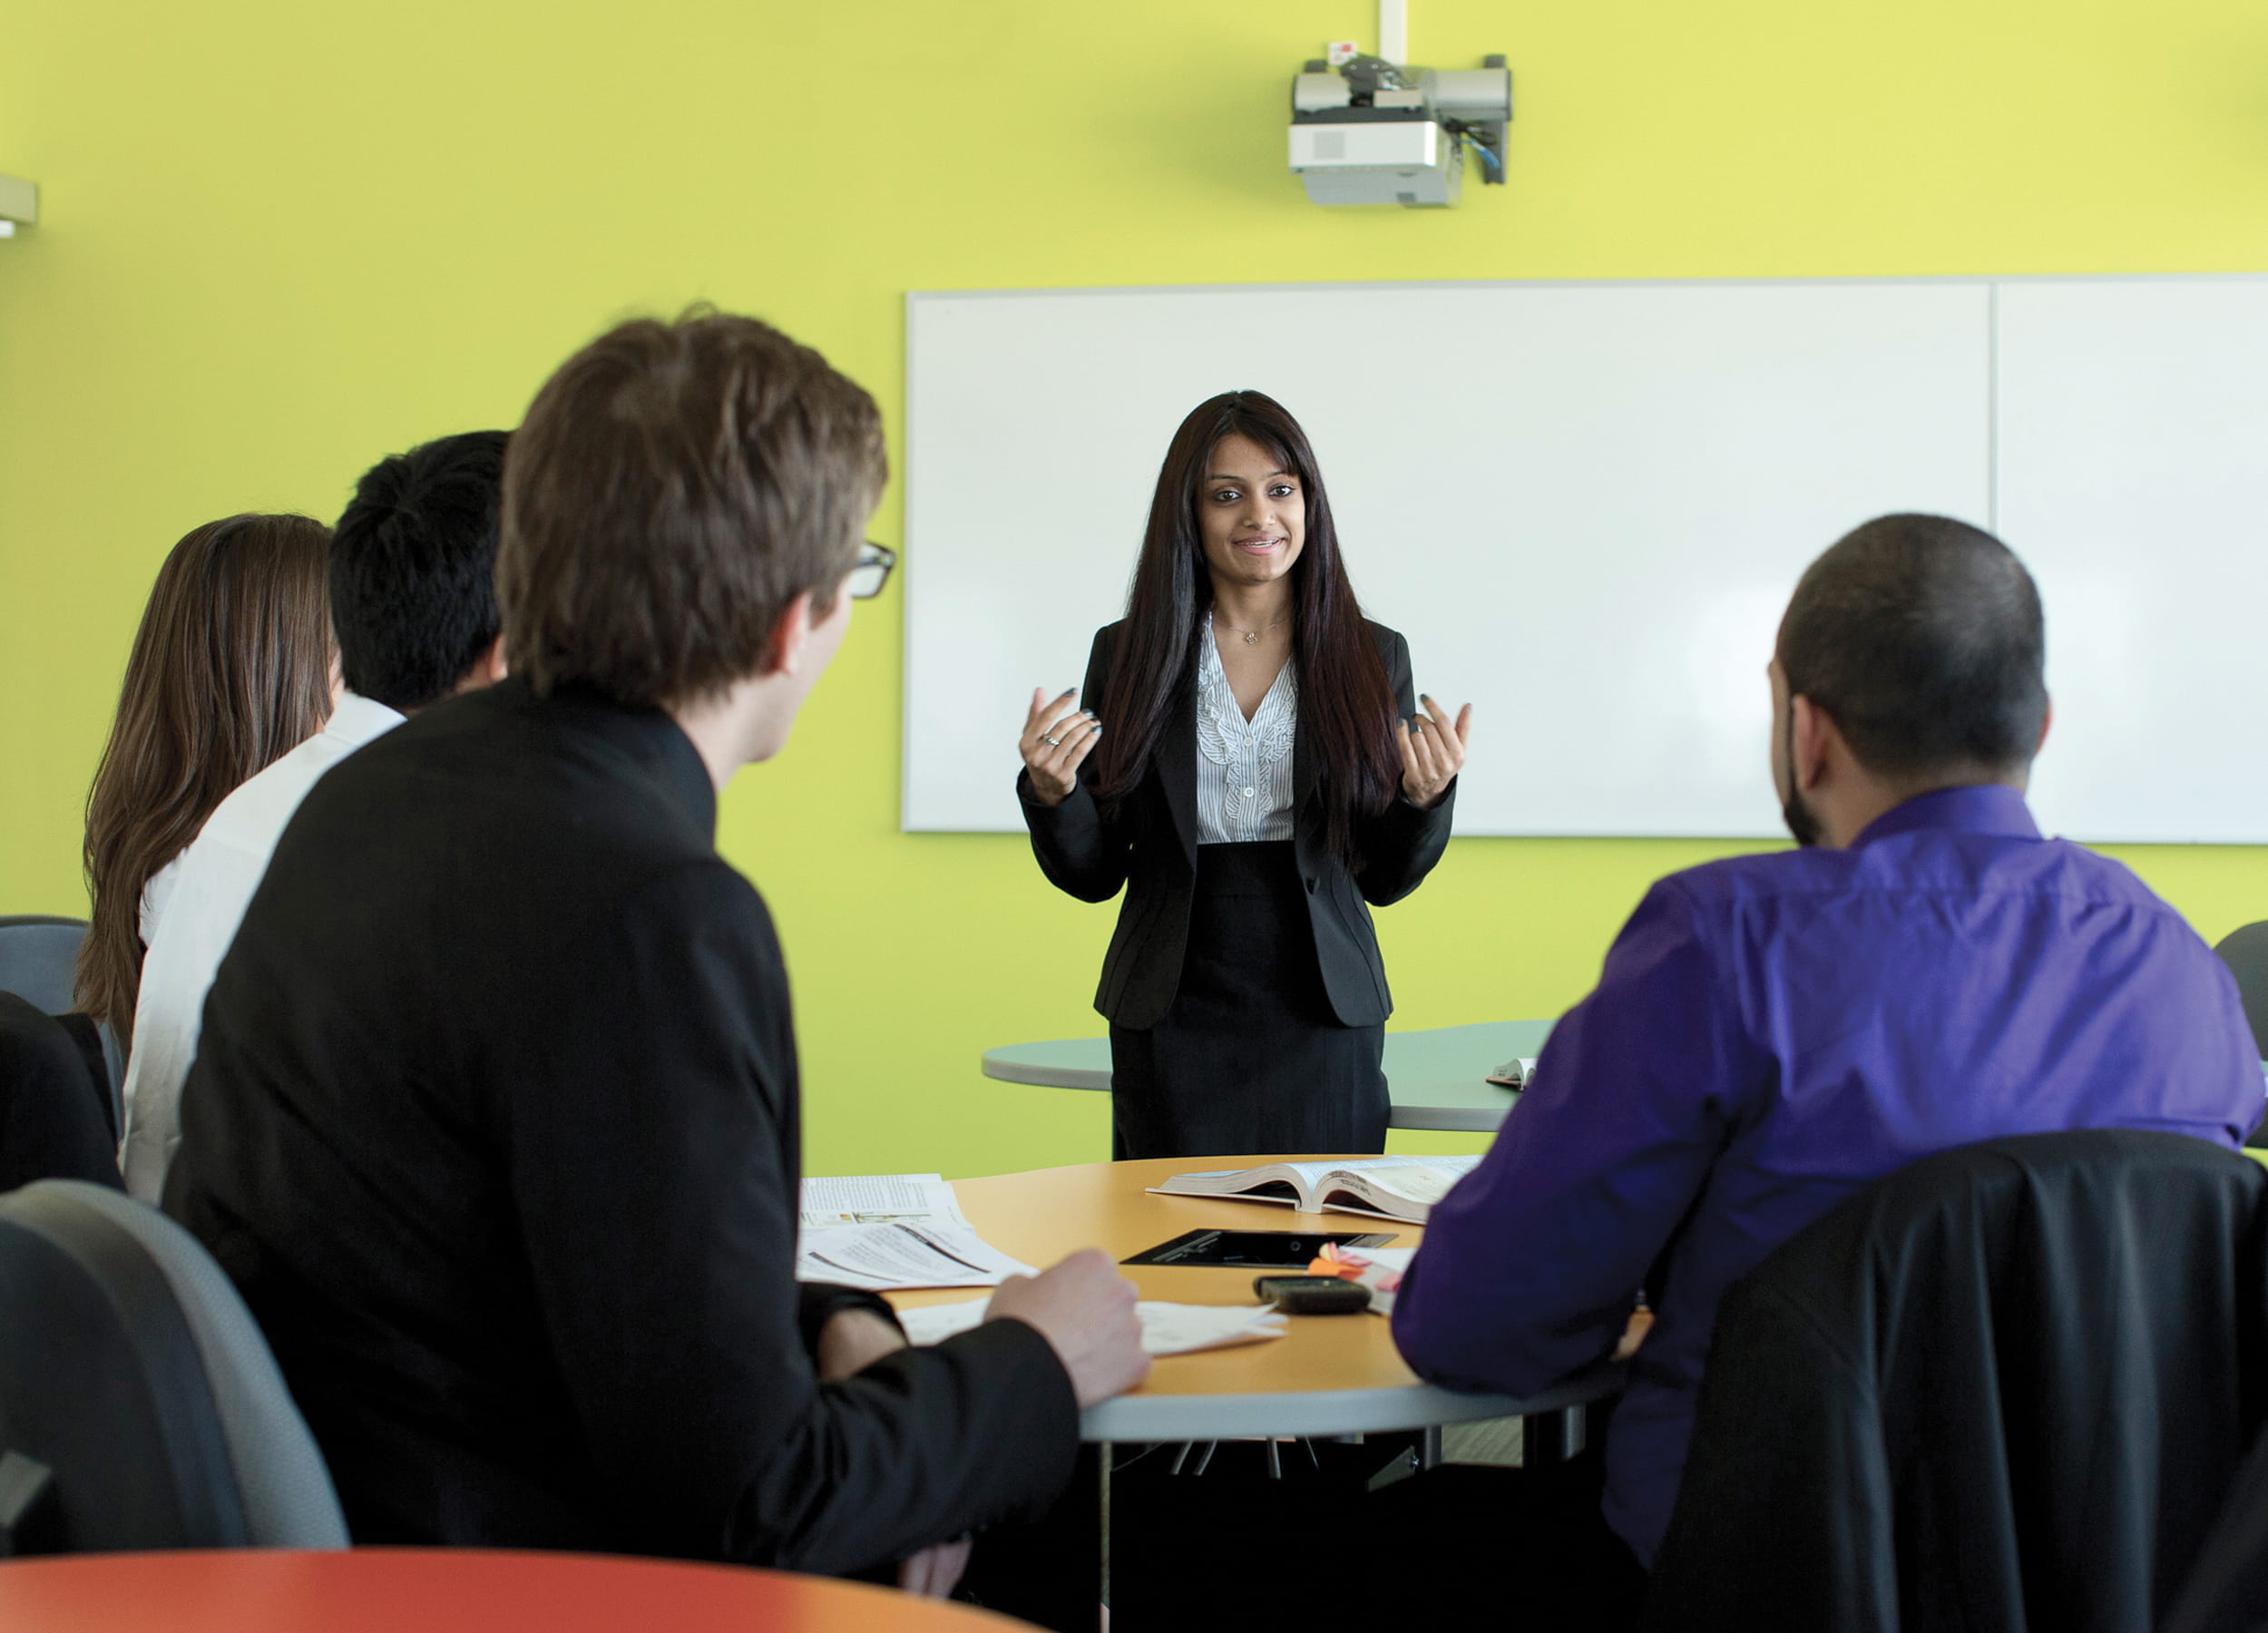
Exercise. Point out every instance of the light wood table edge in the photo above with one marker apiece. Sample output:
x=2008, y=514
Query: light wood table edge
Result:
x=1316, y=1413
x=1043, y=1213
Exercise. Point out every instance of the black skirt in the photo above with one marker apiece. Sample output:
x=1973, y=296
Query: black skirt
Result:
x=1250, y=1058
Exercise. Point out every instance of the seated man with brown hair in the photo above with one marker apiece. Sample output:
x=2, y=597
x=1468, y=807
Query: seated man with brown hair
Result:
x=494, y=1120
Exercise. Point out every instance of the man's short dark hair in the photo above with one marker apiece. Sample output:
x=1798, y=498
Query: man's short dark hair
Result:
x=674, y=488
x=1921, y=637
x=413, y=569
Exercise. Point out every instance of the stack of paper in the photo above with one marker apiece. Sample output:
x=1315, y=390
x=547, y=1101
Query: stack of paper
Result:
x=878, y=1199
x=1167, y=1329
x=886, y=1231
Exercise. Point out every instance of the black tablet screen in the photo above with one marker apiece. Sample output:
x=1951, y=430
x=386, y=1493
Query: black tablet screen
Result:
x=1254, y=1249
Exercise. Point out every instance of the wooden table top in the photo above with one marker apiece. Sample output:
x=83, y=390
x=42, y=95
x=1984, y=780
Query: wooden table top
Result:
x=1328, y=1374
x=445, y=1590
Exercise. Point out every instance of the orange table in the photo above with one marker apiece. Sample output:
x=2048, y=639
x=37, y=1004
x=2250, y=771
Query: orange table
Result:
x=445, y=1590
x=1328, y=1374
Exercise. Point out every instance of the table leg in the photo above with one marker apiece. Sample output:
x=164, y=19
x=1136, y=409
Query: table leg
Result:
x=1103, y=1503
x=1553, y=1437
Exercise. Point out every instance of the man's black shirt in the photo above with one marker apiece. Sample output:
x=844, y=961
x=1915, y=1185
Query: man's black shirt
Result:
x=494, y=1123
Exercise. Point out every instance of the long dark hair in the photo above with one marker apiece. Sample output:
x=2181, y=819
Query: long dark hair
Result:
x=230, y=668
x=1346, y=707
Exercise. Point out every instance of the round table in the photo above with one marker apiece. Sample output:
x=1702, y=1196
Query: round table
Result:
x=445, y=1590
x=1328, y=1374
x=1436, y=1078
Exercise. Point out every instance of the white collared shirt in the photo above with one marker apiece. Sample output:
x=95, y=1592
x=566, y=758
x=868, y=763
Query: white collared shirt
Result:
x=1243, y=768
x=213, y=881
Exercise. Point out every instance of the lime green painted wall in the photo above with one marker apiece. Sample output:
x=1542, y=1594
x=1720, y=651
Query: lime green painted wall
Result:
x=283, y=239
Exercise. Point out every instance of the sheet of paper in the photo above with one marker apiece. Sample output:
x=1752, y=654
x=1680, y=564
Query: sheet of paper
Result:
x=871, y=1198
x=1397, y=1259
x=1381, y=1269
x=904, y=1254
x=1167, y=1329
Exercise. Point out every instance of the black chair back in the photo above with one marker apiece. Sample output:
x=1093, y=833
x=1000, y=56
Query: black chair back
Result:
x=2228, y=1591
x=2006, y=1388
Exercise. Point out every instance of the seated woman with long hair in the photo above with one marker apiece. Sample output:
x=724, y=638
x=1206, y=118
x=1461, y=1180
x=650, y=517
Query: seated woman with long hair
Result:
x=233, y=665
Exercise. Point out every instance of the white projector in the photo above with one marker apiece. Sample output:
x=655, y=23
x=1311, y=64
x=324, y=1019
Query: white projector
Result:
x=1377, y=133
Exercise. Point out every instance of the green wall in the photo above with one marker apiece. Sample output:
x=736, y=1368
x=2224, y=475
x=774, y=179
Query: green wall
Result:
x=281, y=239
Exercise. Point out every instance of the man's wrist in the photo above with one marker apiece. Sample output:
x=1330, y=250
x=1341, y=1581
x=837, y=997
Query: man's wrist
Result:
x=819, y=1302
x=853, y=1340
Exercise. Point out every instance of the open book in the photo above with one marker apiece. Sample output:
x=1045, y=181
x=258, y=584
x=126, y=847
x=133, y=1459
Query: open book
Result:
x=1384, y=1187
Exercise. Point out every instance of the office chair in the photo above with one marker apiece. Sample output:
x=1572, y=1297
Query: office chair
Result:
x=2228, y=1591
x=2245, y=952
x=139, y=1405
x=39, y=956
x=54, y=1108
x=2007, y=1386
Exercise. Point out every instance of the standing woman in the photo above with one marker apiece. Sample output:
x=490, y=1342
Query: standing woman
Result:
x=1261, y=778
x=233, y=665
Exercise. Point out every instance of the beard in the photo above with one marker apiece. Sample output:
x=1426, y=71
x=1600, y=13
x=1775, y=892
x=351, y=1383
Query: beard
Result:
x=1801, y=819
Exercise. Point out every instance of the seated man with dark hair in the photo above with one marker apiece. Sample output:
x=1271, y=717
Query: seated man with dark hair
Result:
x=1772, y=1032
x=495, y=1121
x=413, y=602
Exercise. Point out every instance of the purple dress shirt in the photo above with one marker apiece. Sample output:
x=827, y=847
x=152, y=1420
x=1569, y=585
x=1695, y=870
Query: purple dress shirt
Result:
x=1770, y=1033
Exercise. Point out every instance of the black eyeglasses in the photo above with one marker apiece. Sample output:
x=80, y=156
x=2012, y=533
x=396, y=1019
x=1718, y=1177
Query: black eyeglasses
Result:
x=871, y=571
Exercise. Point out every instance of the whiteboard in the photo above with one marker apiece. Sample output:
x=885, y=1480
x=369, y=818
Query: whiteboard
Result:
x=2132, y=457
x=1584, y=504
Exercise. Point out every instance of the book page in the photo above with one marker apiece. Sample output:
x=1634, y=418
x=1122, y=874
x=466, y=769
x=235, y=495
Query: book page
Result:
x=900, y=1256
x=872, y=1199
x=1311, y=1174
x=1427, y=1181
x=1202, y=1181
x=1167, y=1329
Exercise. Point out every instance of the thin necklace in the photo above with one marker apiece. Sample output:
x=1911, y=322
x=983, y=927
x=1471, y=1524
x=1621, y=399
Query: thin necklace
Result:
x=1252, y=637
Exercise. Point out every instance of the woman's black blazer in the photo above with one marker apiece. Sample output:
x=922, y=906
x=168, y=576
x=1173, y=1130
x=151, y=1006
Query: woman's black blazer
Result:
x=1149, y=845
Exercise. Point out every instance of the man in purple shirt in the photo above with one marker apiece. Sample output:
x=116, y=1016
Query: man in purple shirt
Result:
x=1772, y=1032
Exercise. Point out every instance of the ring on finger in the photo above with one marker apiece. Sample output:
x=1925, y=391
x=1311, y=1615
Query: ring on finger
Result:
x=1050, y=741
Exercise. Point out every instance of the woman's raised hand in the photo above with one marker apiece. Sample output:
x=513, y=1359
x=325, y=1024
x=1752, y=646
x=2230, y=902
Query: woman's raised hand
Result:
x=1056, y=739
x=1433, y=752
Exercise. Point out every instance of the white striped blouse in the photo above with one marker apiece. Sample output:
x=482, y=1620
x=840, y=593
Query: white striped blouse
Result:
x=1243, y=768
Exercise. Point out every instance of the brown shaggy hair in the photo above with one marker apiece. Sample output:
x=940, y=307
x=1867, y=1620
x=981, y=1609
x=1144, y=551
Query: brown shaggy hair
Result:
x=675, y=486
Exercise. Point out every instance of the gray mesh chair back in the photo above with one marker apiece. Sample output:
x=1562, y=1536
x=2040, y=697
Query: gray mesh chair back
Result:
x=37, y=955
x=2245, y=952
x=132, y=1375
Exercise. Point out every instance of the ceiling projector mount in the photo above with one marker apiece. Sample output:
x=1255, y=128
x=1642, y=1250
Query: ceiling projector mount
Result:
x=1367, y=130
